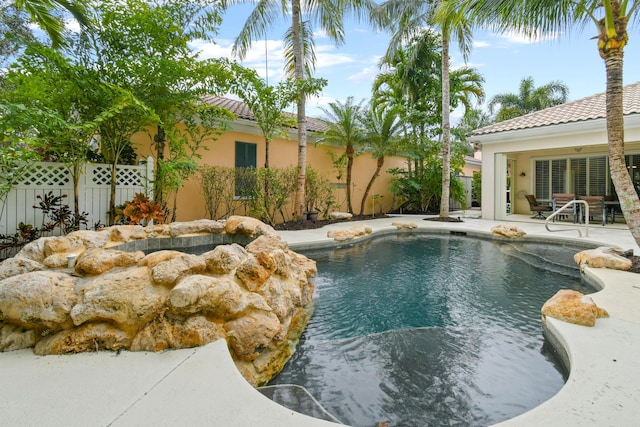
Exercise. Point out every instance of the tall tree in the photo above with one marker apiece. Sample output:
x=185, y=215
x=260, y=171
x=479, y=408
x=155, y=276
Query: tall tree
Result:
x=66, y=94
x=409, y=17
x=610, y=18
x=383, y=128
x=144, y=47
x=345, y=128
x=328, y=15
x=267, y=103
x=15, y=33
x=528, y=99
x=42, y=12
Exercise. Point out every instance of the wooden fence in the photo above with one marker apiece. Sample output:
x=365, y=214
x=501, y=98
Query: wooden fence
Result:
x=94, y=191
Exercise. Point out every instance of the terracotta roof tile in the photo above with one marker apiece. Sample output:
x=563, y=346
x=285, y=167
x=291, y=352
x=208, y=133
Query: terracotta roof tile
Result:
x=590, y=108
x=242, y=111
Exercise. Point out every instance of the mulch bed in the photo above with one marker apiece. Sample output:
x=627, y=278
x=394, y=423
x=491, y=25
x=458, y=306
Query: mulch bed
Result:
x=310, y=225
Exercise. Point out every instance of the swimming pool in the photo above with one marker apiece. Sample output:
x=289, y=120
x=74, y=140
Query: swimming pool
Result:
x=430, y=329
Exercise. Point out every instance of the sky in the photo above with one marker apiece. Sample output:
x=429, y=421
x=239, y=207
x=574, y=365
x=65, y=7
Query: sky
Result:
x=503, y=60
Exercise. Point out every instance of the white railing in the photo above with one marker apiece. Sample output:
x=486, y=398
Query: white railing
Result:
x=94, y=191
x=560, y=212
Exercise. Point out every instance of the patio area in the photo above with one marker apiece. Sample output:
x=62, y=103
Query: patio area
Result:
x=201, y=386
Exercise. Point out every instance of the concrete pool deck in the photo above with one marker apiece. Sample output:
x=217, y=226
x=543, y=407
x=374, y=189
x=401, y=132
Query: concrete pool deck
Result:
x=201, y=386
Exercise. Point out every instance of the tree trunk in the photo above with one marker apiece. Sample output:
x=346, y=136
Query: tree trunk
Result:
x=379, y=165
x=160, y=140
x=350, y=152
x=446, y=128
x=112, y=195
x=302, y=117
x=629, y=201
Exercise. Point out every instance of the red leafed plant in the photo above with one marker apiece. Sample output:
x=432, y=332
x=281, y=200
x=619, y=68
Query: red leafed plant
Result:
x=141, y=210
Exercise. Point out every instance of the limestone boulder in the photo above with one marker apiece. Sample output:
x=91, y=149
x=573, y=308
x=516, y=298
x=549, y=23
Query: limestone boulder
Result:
x=126, y=298
x=91, y=239
x=94, y=262
x=155, y=258
x=220, y=297
x=194, y=227
x=254, y=271
x=170, y=333
x=283, y=296
x=168, y=272
x=225, y=258
x=252, y=334
x=404, y=225
x=340, y=215
x=266, y=244
x=248, y=226
x=349, y=234
x=34, y=250
x=59, y=260
x=508, y=230
x=573, y=307
x=15, y=266
x=126, y=233
x=156, y=231
x=39, y=300
x=603, y=257
x=13, y=337
x=64, y=244
x=90, y=337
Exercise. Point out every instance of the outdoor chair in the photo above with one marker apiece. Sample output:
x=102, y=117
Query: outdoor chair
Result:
x=559, y=200
x=536, y=207
x=597, y=209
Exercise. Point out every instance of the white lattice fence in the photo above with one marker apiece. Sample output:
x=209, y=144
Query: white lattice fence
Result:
x=94, y=191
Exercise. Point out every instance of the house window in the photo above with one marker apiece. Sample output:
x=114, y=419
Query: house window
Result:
x=245, y=166
x=584, y=176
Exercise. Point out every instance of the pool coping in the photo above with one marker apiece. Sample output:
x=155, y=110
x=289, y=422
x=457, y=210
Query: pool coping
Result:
x=201, y=386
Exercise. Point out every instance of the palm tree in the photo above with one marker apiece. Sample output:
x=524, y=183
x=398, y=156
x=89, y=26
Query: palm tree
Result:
x=40, y=12
x=382, y=127
x=329, y=16
x=344, y=122
x=412, y=16
x=528, y=99
x=610, y=18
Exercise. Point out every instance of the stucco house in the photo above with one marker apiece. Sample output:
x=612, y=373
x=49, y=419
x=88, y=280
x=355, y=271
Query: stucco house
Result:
x=242, y=145
x=562, y=149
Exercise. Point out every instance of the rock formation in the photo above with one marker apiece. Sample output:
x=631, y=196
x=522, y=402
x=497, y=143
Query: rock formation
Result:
x=256, y=297
x=603, y=257
x=507, y=230
x=407, y=225
x=573, y=307
x=349, y=233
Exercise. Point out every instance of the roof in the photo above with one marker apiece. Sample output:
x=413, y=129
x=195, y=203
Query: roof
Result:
x=590, y=108
x=242, y=111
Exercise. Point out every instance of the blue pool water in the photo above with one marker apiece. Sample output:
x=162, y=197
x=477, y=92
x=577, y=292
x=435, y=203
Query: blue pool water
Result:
x=431, y=330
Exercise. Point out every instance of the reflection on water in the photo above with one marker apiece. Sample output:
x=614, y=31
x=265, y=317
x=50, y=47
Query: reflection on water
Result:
x=434, y=330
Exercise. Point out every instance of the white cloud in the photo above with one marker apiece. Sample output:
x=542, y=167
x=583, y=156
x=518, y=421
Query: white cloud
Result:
x=326, y=56
x=72, y=25
x=208, y=50
x=480, y=44
x=519, y=38
x=367, y=74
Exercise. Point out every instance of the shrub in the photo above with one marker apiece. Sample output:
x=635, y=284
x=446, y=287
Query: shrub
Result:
x=142, y=210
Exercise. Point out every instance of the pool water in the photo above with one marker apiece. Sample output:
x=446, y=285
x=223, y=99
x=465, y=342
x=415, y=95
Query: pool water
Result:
x=430, y=330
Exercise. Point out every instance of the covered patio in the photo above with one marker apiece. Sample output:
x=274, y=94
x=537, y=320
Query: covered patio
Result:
x=559, y=150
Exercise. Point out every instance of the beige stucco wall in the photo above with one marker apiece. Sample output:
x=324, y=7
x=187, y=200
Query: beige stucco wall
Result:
x=283, y=153
x=566, y=140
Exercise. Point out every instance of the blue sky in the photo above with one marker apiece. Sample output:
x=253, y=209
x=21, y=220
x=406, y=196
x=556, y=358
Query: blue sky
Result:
x=503, y=60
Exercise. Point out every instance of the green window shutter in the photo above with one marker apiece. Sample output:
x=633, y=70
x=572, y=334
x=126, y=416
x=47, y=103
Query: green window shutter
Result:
x=245, y=168
x=246, y=155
